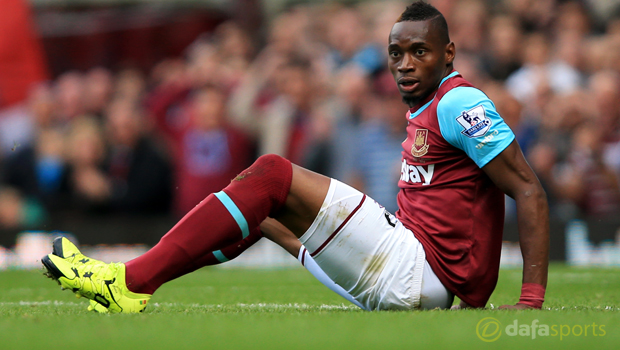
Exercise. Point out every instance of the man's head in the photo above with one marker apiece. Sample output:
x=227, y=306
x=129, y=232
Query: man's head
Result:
x=420, y=53
x=124, y=122
x=209, y=108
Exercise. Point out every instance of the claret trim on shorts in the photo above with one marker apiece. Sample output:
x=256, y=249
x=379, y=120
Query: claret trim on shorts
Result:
x=339, y=227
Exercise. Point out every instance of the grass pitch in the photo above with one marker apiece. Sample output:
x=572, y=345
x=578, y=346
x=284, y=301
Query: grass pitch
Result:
x=288, y=309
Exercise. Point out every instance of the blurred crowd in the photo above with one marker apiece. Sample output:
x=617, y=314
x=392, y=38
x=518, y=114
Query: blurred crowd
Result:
x=314, y=88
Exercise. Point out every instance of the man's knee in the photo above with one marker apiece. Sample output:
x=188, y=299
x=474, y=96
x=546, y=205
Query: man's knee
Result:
x=272, y=162
x=268, y=165
x=270, y=176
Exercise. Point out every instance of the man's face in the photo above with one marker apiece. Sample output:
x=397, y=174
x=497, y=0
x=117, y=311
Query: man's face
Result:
x=418, y=59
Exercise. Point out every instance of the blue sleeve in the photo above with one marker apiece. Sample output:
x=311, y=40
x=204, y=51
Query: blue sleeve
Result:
x=468, y=121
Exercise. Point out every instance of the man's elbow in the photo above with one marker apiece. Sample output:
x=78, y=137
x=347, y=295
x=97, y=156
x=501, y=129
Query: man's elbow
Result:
x=539, y=192
x=534, y=192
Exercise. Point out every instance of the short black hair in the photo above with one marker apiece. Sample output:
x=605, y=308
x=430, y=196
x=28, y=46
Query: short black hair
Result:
x=421, y=11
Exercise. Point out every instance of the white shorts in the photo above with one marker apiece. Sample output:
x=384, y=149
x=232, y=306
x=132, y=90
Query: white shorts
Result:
x=370, y=254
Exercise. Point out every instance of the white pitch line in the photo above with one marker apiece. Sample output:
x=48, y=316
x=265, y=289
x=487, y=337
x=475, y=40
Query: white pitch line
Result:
x=289, y=306
x=258, y=306
x=265, y=306
x=40, y=303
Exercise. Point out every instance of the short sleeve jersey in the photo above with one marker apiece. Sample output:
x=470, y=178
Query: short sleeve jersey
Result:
x=445, y=198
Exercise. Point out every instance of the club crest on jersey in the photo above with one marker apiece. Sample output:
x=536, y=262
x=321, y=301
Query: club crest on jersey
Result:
x=420, y=147
x=475, y=122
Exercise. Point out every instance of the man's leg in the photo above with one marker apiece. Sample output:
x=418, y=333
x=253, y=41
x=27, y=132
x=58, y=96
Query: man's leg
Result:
x=365, y=250
x=280, y=235
x=272, y=186
x=65, y=249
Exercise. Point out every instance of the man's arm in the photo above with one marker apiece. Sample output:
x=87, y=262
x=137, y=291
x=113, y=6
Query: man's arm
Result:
x=511, y=173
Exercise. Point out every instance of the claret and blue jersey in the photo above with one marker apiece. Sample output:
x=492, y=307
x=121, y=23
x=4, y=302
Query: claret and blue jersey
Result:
x=446, y=199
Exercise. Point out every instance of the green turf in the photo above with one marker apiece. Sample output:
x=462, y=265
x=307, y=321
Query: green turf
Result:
x=287, y=309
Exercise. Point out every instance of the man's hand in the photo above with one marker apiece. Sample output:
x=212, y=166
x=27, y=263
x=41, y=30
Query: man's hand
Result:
x=460, y=306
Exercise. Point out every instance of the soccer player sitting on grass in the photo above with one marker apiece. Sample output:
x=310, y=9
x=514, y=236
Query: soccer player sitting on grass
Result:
x=458, y=160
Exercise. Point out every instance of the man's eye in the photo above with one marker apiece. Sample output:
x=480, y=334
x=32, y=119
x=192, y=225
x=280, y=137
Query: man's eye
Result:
x=420, y=52
x=394, y=54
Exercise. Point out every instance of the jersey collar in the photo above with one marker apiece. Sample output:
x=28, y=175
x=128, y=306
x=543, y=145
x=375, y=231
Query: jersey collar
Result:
x=413, y=112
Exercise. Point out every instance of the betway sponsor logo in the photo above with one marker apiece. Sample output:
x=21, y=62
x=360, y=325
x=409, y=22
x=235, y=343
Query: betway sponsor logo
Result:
x=417, y=173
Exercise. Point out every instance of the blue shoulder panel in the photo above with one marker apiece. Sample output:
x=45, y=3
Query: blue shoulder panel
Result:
x=468, y=121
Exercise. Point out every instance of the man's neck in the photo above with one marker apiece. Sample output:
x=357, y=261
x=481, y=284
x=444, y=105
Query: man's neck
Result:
x=414, y=105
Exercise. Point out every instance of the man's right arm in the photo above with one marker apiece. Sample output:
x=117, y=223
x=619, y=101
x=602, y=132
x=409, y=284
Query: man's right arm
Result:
x=492, y=146
x=511, y=173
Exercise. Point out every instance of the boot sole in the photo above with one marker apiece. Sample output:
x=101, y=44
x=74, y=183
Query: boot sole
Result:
x=52, y=271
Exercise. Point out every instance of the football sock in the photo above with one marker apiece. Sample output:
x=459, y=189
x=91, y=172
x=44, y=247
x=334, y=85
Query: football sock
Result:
x=220, y=220
x=232, y=251
x=306, y=260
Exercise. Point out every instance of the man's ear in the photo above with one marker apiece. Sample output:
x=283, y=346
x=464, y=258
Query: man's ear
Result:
x=450, y=53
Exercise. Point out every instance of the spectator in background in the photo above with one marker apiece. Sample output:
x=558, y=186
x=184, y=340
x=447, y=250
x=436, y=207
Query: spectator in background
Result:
x=19, y=123
x=220, y=58
x=43, y=106
x=539, y=70
x=381, y=16
x=604, y=87
x=129, y=84
x=208, y=152
x=85, y=149
x=131, y=176
x=281, y=125
x=139, y=175
x=585, y=179
x=97, y=91
x=572, y=18
x=37, y=169
x=69, y=94
x=605, y=91
x=468, y=26
x=469, y=66
x=318, y=153
x=347, y=111
x=348, y=43
x=543, y=158
x=314, y=79
x=377, y=145
x=533, y=15
x=501, y=56
x=290, y=35
x=18, y=212
x=234, y=50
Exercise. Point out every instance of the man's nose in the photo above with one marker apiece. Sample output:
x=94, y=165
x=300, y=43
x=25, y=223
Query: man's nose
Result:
x=406, y=64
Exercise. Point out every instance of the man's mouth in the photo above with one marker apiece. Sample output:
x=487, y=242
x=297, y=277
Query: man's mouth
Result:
x=408, y=84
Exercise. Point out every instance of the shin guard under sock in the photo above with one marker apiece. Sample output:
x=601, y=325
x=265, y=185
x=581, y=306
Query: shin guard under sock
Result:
x=217, y=222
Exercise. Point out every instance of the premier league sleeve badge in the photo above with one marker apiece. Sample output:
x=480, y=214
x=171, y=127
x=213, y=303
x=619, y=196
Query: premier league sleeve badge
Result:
x=475, y=122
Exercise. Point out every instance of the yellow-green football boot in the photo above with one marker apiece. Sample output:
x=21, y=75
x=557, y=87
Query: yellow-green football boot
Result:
x=95, y=306
x=65, y=249
x=103, y=283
